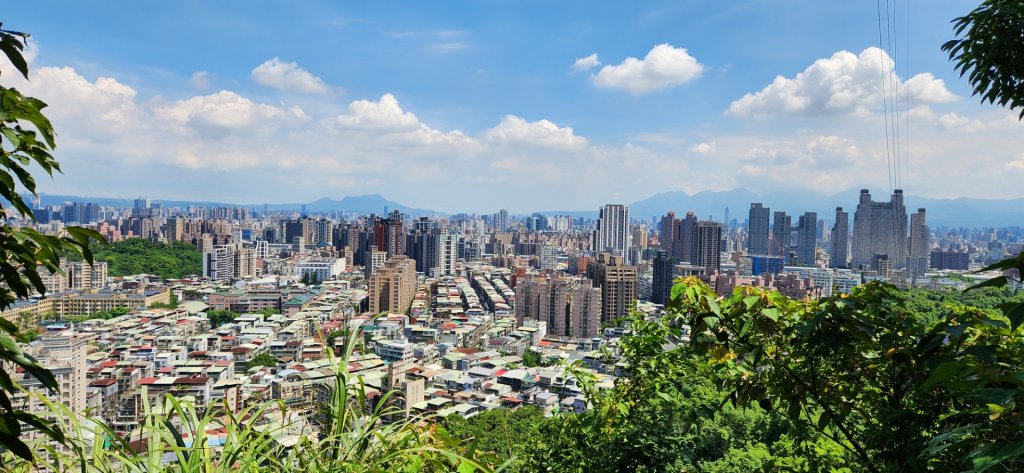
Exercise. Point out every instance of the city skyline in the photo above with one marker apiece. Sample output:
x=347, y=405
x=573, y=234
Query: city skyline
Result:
x=554, y=112
x=968, y=213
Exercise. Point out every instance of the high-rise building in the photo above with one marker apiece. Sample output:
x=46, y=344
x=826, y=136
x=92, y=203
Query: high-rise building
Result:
x=585, y=310
x=569, y=305
x=757, y=229
x=393, y=287
x=143, y=207
x=435, y=250
x=375, y=260
x=612, y=234
x=323, y=232
x=617, y=282
x=219, y=263
x=950, y=259
x=292, y=228
x=63, y=354
x=554, y=298
x=919, y=244
x=82, y=276
x=668, y=230
x=839, y=242
x=389, y=234
x=448, y=253
x=782, y=231
x=244, y=262
x=174, y=229
x=683, y=248
x=501, y=220
x=664, y=274
x=880, y=232
x=707, y=248
x=640, y=238
x=807, y=239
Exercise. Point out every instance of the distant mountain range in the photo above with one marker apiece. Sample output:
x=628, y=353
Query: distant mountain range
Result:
x=962, y=212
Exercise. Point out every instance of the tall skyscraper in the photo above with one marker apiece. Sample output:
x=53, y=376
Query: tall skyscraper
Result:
x=683, y=248
x=707, y=248
x=757, y=229
x=807, y=239
x=663, y=268
x=782, y=231
x=668, y=230
x=612, y=234
x=501, y=220
x=617, y=282
x=919, y=244
x=839, y=242
x=880, y=231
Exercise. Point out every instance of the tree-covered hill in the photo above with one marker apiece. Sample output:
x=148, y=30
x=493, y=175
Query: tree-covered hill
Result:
x=136, y=255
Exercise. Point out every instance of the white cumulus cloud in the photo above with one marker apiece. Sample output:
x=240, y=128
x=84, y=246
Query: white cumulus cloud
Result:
x=386, y=116
x=228, y=110
x=663, y=66
x=517, y=131
x=104, y=103
x=288, y=76
x=586, y=63
x=704, y=148
x=845, y=83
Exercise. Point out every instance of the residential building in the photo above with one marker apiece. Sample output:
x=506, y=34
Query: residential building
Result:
x=839, y=241
x=880, y=232
x=612, y=234
x=392, y=287
x=618, y=283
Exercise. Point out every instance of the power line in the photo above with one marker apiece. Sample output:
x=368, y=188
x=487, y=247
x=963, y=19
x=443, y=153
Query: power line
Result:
x=885, y=103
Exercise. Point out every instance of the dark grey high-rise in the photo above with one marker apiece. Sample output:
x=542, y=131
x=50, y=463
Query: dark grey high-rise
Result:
x=683, y=248
x=919, y=246
x=757, y=229
x=664, y=266
x=806, y=241
x=782, y=231
x=839, y=243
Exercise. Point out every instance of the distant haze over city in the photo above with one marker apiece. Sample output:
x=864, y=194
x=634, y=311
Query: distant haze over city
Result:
x=963, y=212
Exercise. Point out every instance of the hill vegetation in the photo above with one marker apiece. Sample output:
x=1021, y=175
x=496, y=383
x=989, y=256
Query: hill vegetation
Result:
x=137, y=256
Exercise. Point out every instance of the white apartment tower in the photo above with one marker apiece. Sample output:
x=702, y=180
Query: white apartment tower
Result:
x=612, y=234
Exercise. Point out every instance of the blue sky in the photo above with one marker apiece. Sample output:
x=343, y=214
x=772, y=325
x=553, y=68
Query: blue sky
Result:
x=477, y=105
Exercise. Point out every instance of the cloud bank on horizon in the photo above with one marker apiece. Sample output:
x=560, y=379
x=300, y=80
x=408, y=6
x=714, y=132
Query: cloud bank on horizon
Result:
x=278, y=130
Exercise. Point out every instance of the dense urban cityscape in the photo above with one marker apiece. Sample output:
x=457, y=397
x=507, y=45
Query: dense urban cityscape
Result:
x=447, y=306
x=663, y=237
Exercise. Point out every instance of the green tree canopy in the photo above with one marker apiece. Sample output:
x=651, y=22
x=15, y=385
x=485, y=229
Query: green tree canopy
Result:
x=26, y=138
x=262, y=359
x=220, y=317
x=987, y=49
x=140, y=256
